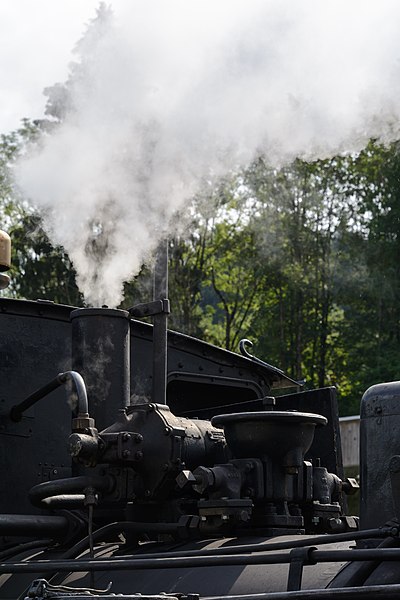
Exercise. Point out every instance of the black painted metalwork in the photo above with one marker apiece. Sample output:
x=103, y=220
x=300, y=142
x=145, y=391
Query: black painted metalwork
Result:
x=299, y=558
x=310, y=556
x=32, y=525
x=160, y=324
x=379, y=427
x=175, y=503
x=101, y=354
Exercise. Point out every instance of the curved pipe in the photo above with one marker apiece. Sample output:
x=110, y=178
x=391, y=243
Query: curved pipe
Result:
x=80, y=387
x=66, y=491
x=18, y=409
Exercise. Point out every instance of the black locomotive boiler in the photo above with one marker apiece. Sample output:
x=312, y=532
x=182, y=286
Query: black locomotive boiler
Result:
x=143, y=463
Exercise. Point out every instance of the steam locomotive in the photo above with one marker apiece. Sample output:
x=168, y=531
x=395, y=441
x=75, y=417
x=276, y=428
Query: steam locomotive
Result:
x=143, y=463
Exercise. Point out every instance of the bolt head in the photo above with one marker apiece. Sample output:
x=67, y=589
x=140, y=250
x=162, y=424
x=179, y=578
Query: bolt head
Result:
x=184, y=478
x=350, y=486
x=204, y=479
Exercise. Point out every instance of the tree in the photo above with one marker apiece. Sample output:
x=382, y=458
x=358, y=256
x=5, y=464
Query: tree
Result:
x=233, y=277
x=312, y=234
x=187, y=274
x=38, y=269
x=373, y=313
x=304, y=260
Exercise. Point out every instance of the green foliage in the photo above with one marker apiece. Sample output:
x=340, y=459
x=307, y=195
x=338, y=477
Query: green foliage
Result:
x=38, y=269
x=304, y=260
x=11, y=145
x=233, y=275
x=187, y=272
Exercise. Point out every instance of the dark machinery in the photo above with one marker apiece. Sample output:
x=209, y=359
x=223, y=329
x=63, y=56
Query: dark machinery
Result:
x=141, y=462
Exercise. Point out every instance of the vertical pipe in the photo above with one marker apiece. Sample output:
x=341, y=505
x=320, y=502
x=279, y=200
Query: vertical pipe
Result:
x=160, y=325
x=101, y=354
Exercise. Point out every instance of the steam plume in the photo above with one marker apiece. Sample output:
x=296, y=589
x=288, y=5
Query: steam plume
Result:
x=173, y=93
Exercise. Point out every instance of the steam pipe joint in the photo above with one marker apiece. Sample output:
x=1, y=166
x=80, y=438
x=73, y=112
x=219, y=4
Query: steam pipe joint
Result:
x=84, y=448
x=326, y=486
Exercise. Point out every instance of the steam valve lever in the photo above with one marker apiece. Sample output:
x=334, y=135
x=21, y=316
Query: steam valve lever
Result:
x=82, y=421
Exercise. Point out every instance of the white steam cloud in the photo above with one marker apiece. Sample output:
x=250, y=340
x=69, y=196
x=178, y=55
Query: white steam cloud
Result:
x=177, y=92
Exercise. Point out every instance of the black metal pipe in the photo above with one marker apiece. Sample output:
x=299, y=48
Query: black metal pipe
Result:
x=317, y=556
x=378, y=554
x=160, y=326
x=141, y=563
x=42, y=494
x=138, y=527
x=18, y=409
x=382, y=532
x=27, y=525
x=358, y=572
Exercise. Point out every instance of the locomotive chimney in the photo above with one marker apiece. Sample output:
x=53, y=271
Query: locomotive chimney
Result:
x=101, y=354
x=159, y=309
x=160, y=324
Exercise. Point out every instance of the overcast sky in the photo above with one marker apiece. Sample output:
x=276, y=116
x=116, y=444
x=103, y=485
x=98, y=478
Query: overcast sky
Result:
x=36, y=40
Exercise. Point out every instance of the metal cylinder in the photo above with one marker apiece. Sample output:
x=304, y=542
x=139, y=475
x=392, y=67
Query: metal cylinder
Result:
x=101, y=354
x=27, y=525
x=5, y=251
x=379, y=443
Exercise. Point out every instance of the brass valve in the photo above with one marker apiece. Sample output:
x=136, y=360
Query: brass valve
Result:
x=5, y=251
x=5, y=258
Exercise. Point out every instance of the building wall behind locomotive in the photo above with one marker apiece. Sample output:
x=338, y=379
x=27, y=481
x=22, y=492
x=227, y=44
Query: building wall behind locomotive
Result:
x=35, y=345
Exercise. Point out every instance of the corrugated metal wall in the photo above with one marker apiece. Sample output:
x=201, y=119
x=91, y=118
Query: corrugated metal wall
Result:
x=350, y=435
